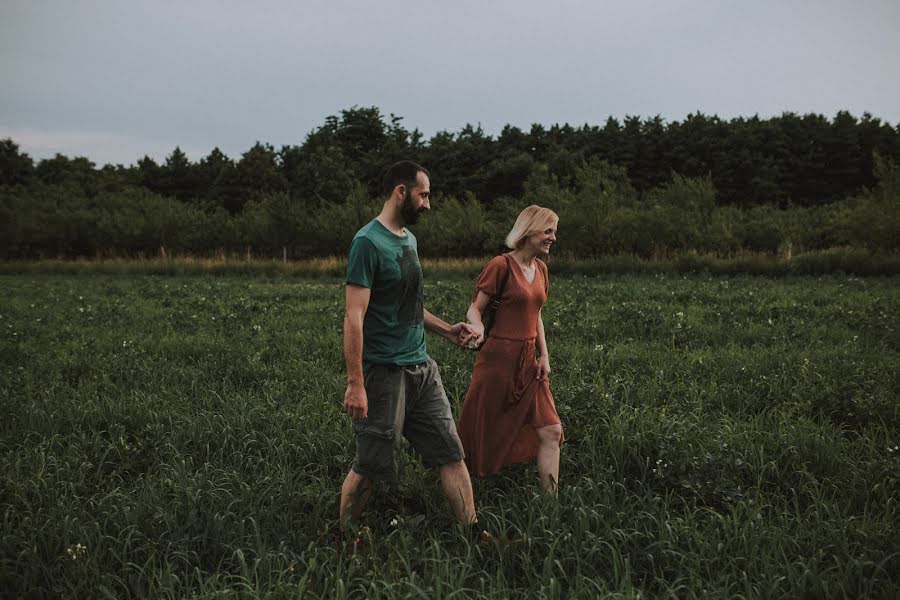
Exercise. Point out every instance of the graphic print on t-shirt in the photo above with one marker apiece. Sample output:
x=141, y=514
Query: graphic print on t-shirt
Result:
x=412, y=298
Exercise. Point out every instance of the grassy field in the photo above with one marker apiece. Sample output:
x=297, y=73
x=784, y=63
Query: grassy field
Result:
x=181, y=436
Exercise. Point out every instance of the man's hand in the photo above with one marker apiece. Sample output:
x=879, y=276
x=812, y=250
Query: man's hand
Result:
x=543, y=368
x=461, y=334
x=356, y=402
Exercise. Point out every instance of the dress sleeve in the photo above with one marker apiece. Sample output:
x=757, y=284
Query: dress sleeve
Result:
x=490, y=278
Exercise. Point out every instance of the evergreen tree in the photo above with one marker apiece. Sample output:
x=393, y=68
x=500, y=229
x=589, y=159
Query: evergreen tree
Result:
x=15, y=167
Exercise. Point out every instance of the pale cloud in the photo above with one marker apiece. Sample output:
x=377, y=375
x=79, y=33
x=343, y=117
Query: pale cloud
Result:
x=115, y=80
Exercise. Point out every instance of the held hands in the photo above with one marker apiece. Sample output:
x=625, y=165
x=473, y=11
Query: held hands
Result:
x=356, y=402
x=462, y=334
x=543, y=368
x=476, y=338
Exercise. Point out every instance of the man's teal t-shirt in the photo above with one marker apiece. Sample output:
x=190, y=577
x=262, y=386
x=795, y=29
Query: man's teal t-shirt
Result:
x=394, y=325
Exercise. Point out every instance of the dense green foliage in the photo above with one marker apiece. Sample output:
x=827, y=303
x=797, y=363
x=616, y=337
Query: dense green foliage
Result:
x=182, y=437
x=642, y=186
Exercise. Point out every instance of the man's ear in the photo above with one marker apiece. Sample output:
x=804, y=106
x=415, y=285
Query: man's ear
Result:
x=401, y=188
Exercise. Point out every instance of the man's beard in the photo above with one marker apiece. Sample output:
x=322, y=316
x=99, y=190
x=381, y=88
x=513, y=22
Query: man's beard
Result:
x=408, y=210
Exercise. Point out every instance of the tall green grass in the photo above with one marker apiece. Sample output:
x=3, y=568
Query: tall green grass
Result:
x=181, y=436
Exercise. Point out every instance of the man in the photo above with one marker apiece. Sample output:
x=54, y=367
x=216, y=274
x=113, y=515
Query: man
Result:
x=393, y=387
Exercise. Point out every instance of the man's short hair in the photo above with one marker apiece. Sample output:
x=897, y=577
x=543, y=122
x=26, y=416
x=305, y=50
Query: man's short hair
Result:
x=405, y=172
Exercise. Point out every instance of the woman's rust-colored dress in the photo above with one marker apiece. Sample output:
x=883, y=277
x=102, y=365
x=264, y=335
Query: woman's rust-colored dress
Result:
x=506, y=401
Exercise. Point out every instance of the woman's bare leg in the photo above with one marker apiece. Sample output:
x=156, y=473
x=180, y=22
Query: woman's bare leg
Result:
x=548, y=456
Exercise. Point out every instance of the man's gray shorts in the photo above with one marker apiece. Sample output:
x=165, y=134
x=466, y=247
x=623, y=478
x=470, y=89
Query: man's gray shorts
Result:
x=408, y=401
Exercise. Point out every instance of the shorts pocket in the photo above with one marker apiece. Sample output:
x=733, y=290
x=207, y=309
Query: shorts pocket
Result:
x=376, y=453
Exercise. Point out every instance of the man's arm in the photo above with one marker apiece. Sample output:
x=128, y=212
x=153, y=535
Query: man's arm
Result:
x=458, y=334
x=356, y=403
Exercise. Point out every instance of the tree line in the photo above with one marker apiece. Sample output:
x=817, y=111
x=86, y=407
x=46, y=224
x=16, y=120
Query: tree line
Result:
x=641, y=186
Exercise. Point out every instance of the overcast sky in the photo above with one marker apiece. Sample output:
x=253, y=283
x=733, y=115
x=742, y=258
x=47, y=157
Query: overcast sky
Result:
x=114, y=79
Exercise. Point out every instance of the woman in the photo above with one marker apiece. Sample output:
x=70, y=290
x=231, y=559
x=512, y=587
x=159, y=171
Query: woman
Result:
x=508, y=415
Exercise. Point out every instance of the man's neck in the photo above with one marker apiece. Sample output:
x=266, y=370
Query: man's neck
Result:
x=392, y=221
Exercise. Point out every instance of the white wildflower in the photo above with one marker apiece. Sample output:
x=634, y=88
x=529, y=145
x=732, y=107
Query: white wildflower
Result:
x=76, y=551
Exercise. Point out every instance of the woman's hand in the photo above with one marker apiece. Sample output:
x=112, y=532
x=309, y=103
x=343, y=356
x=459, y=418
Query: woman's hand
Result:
x=543, y=367
x=477, y=338
x=474, y=314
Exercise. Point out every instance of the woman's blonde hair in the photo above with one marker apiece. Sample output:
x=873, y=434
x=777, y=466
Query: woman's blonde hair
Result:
x=533, y=219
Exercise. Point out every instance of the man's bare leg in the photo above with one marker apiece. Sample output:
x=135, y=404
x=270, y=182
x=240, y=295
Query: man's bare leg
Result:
x=458, y=489
x=355, y=493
